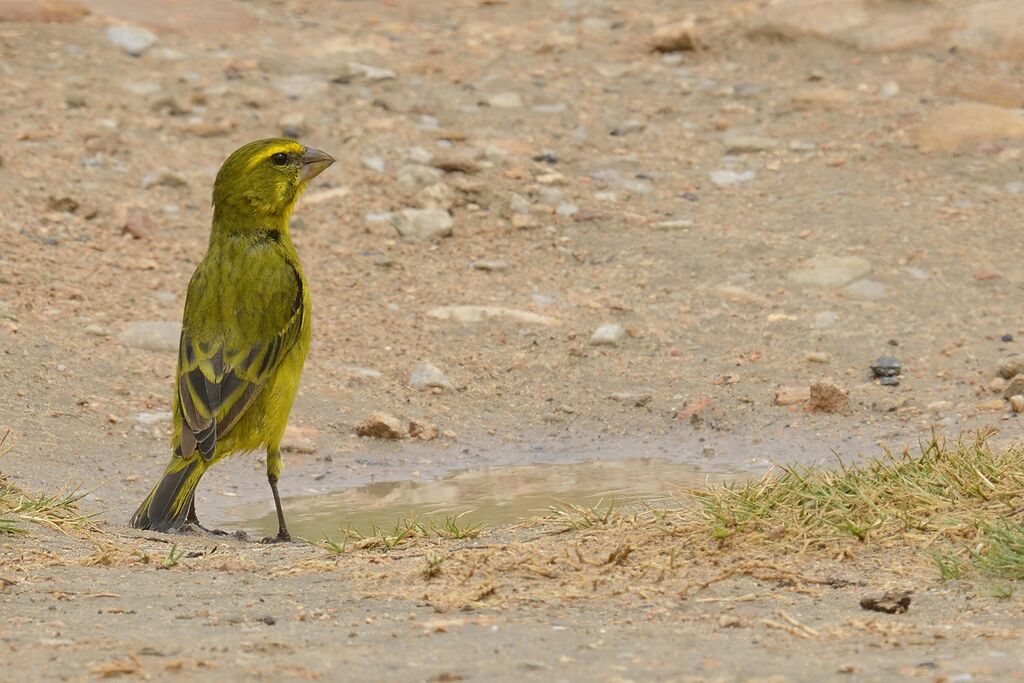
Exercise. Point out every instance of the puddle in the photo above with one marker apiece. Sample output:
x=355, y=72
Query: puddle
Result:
x=490, y=496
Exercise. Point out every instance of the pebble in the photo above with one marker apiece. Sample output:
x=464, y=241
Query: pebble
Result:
x=628, y=127
x=727, y=178
x=827, y=398
x=680, y=36
x=787, y=396
x=606, y=196
x=1014, y=387
x=517, y=203
x=152, y=335
x=423, y=224
x=361, y=372
x=134, y=40
x=97, y=331
x=415, y=175
x=818, y=357
x=997, y=385
x=153, y=418
x=381, y=426
x=825, y=320
x=675, y=224
x=505, y=100
x=609, y=334
x=1017, y=403
x=292, y=124
x=1006, y=338
x=831, y=271
x=889, y=381
x=489, y=265
x=865, y=289
x=890, y=89
x=429, y=376
x=374, y=163
x=567, y=209
x=550, y=108
x=939, y=406
x=991, y=406
x=1014, y=187
x=637, y=400
x=964, y=124
x=1011, y=366
x=162, y=178
x=736, y=143
x=886, y=366
x=422, y=431
x=476, y=314
x=372, y=73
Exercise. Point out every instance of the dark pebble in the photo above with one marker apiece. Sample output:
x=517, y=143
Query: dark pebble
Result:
x=886, y=366
x=546, y=157
x=1006, y=338
x=269, y=620
x=889, y=381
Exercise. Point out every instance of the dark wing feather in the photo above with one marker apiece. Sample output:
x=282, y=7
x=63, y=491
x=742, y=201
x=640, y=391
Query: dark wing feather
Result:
x=218, y=380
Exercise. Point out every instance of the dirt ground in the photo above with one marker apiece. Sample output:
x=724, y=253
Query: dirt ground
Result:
x=817, y=184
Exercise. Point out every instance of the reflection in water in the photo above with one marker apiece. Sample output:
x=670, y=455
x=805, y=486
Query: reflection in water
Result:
x=492, y=496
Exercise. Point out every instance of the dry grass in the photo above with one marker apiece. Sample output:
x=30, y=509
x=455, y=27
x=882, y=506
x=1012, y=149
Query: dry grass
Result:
x=20, y=509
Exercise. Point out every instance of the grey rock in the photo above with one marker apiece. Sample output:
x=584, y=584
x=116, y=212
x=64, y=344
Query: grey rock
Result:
x=429, y=376
x=374, y=163
x=675, y=224
x=886, y=366
x=609, y=334
x=132, y=39
x=1014, y=187
x=865, y=289
x=422, y=224
x=736, y=143
x=372, y=73
x=152, y=335
x=518, y=204
x=825, y=320
x=831, y=271
x=162, y=178
x=489, y=264
x=419, y=155
x=505, y=100
x=567, y=209
x=628, y=128
x=416, y=175
x=727, y=178
x=889, y=381
x=97, y=331
x=889, y=89
x=293, y=124
x=636, y=399
x=550, y=195
x=153, y=418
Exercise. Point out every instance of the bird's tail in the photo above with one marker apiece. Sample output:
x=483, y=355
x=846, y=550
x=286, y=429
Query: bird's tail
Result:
x=167, y=506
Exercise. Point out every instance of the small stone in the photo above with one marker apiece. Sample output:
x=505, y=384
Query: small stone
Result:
x=997, y=385
x=637, y=400
x=521, y=222
x=831, y=271
x=489, y=265
x=889, y=381
x=162, y=178
x=865, y=289
x=627, y=128
x=1014, y=387
x=891, y=602
x=429, y=376
x=1017, y=403
x=729, y=621
x=423, y=224
x=889, y=89
x=827, y=398
x=1006, y=338
x=154, y=418
x=727, y=178
x=736, y=143
x=609, y=334
x=132, y=39
x=680, y=36
x=152, y=335
x=298, y=440
x=519, y=204
x=1011, y=366
x=818, y=357
x=374, y=163
x=939, y=406
x=372, y=73
x=990, y=406
x=381, y=426
x=415, y=175
x=97, y=331
x=676, y=224
x=456, y=164
x=825, y=320
x=292, y=125
x=62, y=204
x=505, y=100
x=475, y=314
x=421, y=431
x=567, y=209
x=1014, y=187
x=886, y=366
x=788, y=396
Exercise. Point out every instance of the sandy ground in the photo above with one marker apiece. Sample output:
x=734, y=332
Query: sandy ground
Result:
x=809, y=190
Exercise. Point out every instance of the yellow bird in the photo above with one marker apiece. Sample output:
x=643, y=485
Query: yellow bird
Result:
x=245, y=332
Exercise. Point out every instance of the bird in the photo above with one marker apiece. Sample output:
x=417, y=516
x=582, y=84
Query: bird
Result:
x=245, y=331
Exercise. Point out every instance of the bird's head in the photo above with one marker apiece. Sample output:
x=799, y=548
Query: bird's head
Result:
x=263, y=179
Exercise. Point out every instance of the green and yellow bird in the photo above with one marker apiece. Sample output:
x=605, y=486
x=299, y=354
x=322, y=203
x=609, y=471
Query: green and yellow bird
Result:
x=245, y=332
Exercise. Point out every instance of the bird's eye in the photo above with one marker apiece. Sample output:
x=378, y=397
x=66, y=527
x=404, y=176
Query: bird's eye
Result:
x=279, y=159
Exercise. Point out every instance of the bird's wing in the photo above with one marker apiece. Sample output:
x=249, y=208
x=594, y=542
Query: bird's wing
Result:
x=239, y=323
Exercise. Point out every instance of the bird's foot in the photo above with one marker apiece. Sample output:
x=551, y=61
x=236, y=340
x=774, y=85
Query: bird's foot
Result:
x=198, y=528
x=282, y=537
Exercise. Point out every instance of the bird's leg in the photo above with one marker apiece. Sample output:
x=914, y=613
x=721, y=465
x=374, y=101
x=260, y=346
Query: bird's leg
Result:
x=274, y=467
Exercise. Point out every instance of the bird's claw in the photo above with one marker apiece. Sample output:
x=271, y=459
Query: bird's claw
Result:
x=282, y=537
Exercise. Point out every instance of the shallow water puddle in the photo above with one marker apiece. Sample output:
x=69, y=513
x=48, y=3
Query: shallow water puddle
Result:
x=490, y=496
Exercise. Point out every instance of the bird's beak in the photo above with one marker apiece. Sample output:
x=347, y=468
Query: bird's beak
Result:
x=314, y=162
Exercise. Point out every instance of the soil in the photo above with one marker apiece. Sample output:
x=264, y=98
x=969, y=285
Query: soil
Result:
x=758, y=215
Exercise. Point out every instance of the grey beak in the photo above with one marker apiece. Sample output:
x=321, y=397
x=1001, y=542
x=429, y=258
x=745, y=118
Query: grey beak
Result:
x=314, y=162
